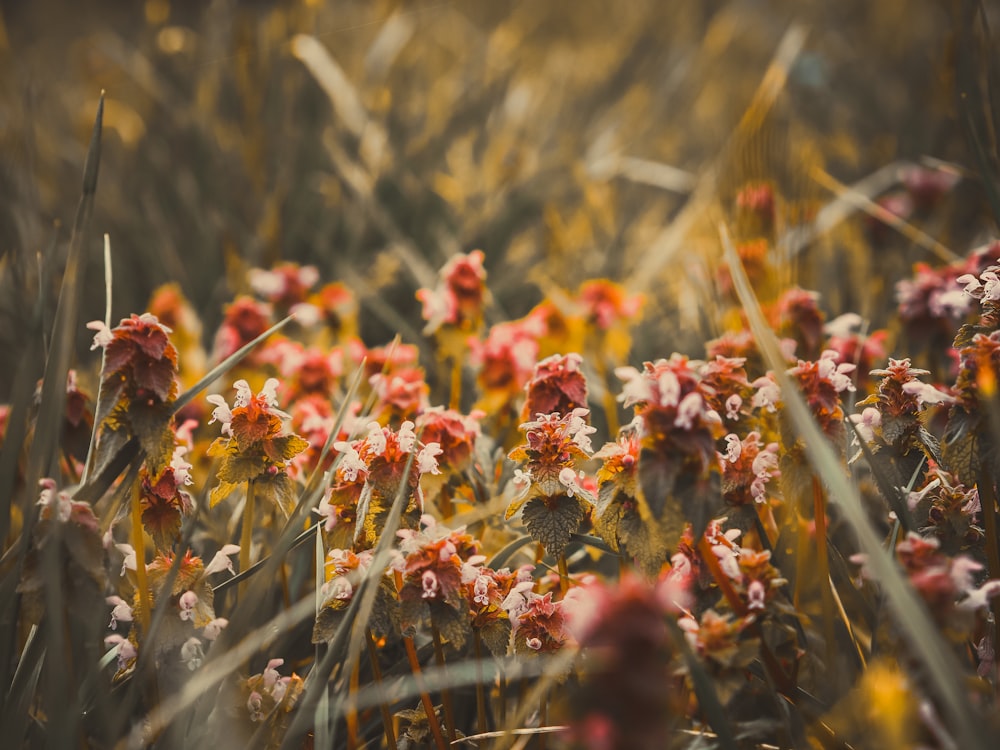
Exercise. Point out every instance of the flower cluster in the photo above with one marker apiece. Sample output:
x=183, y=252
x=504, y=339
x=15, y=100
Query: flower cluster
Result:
x=138, y=386
x=458, y=300
x=254, y=446
x=551, y=497
x=372, y=472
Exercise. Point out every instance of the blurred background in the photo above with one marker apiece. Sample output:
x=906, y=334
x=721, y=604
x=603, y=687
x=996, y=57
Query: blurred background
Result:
x=567, y=139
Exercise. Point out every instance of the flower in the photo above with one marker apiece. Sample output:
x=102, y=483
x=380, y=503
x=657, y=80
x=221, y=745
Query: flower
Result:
x=255, y=446
x=460, y=295
x=556, y=385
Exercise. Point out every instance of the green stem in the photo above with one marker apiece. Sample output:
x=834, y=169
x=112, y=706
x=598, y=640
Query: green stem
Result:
x=477, y=642
x=246, y=536
x=139, y=544
x=823, y=564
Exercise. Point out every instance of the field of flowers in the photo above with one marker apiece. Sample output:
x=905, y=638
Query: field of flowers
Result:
x=500, y=375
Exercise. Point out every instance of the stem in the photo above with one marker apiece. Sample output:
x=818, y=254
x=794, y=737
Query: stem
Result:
x=390, y=735
x=609, y=402
x=456, y=384
x=418, y=678
x=823, y=565
x=543, y=719
x=988, y=501
x=352, y=711
x=449, y=714
x=139, y=544
x=480, y=694
x=563, y=573
x=246, y=535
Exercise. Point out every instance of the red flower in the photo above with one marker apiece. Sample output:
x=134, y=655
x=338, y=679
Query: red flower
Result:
x=557, y=385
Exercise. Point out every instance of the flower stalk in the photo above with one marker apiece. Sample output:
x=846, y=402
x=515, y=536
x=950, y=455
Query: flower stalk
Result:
x=139, y=544
x=246, y=535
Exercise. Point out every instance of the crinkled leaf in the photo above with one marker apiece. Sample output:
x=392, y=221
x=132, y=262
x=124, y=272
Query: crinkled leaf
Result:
x=452, y=624
x=961, y=455
x=220, y=492
x=237, y=468
x=278, y=489
x=894, y=429
x=163, y=523
x=552, y=521
x=285, y=447
x=495, y=635
x=151, y=425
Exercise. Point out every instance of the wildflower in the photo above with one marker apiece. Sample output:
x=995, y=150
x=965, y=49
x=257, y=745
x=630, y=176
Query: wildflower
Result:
x=255, y=446
x=138, y=387
x=221, y=560
x=163, y=499
x=540, y=626
x=245, y=319
x=268, y=692
x=555, y=443
x=192, y=654
x=126, y=650
x=557, y=385
x=627, y=663
x=121, y=612
x=401, y=395
x=458, y=300
x=800, y=319
x=505, y=360
x=285, y=285
x=371, y=472
x=678, y=464
x=946, y=584
x=214, y=627
x=437, y=564
x=489, y=600
x=747, y=468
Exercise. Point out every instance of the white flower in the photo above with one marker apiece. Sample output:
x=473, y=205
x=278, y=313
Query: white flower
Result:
x=122, y=611
x=843, y=326
x=755, y=595
x=186, y=603
x=129, y=562
x=213, y=628
x=427, y=459
x=866, y=423
x=733, y=404
x=768, y=394
x=689, y=409
x=243, y=394
x=221, y=560
x=669, y=387
x=734, y=448
x=103, y=337
x=407, y=437
x=927, y=394
x=533, y=643
x=636, y=389
x=376, y=438
x=430, y=584
x=221, y=413
x=567, y=478
x=192, y=654
x=350, y=463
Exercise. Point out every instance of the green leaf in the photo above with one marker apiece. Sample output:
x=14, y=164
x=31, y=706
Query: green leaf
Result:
x=552, y=521
x=237, y=468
